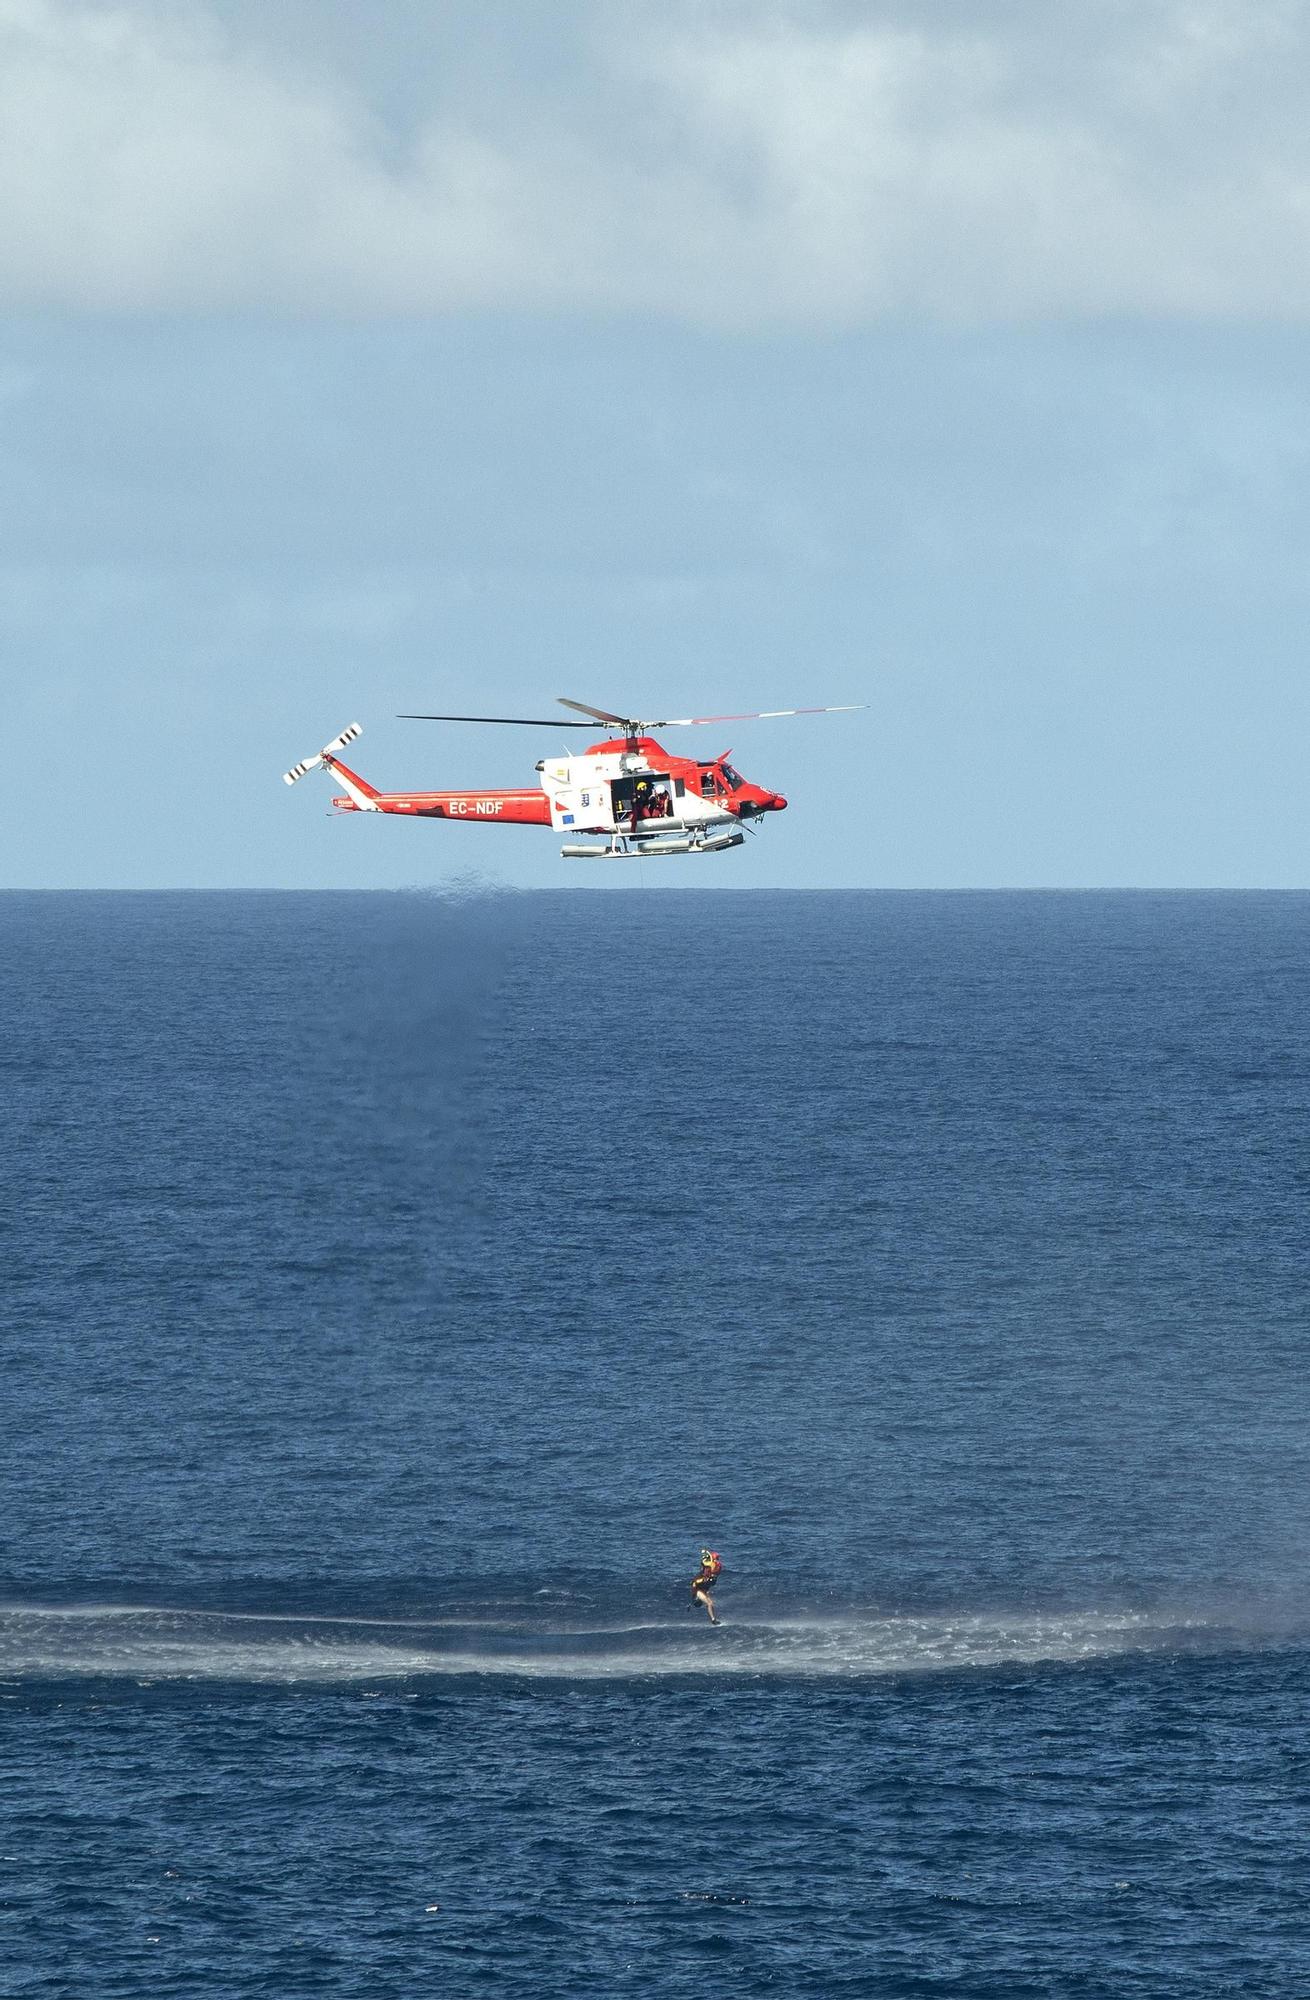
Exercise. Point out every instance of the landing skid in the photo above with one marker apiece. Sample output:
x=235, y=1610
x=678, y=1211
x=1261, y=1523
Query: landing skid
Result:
x=629, y=847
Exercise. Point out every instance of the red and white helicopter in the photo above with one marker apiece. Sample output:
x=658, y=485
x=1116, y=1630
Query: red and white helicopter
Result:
x=627, y=790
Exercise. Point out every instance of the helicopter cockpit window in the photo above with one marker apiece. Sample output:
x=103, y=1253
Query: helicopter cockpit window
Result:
x=733, y=777
x=707, y=784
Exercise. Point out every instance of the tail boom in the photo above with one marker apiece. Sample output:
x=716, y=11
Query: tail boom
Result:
x=520, y=808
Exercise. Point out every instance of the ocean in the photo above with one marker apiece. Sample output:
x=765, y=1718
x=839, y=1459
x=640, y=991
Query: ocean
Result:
x=398, y=1290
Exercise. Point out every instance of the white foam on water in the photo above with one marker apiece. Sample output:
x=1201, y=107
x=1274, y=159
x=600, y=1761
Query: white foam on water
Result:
x=83, y=1611
x=141, y=1642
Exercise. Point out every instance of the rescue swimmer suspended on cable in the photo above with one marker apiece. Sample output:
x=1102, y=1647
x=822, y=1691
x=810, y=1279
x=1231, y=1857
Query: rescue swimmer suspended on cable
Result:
x=705, y=1579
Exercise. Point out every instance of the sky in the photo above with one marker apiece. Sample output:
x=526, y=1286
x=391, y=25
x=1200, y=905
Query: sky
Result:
x=674, y=355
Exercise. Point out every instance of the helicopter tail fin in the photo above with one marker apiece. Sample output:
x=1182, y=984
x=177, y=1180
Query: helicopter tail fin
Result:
x=363, y=796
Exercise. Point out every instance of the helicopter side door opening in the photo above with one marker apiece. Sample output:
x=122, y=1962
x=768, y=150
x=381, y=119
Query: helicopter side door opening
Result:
x=645, y=799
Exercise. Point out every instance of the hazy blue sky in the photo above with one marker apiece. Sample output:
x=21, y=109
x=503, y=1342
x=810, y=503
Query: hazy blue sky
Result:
x=678, y=356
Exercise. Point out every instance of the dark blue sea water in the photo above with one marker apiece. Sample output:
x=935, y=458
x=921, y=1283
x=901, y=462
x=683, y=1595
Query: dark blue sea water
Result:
x=398, y=1290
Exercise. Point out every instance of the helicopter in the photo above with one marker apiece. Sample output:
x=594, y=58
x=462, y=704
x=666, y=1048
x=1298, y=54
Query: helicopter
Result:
x=623, y=798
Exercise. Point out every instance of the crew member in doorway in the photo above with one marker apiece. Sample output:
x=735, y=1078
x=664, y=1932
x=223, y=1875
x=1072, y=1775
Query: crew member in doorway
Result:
x=705, y=1579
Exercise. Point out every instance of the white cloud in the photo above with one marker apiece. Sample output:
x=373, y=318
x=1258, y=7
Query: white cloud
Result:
x=729, y=165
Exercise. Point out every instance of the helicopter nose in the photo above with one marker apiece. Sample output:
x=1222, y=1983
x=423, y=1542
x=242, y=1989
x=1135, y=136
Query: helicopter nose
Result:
x=777, y=803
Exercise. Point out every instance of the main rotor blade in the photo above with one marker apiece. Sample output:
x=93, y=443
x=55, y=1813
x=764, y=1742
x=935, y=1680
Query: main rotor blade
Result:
x=754, y=715
x=630, y=723
x=694, y=721
x=522, y=721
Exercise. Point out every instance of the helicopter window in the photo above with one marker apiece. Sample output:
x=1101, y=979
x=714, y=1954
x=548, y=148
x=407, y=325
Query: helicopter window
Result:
x=733, y=777
x=707, y=784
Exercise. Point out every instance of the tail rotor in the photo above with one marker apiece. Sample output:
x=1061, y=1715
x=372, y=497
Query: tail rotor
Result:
x=298, y=771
